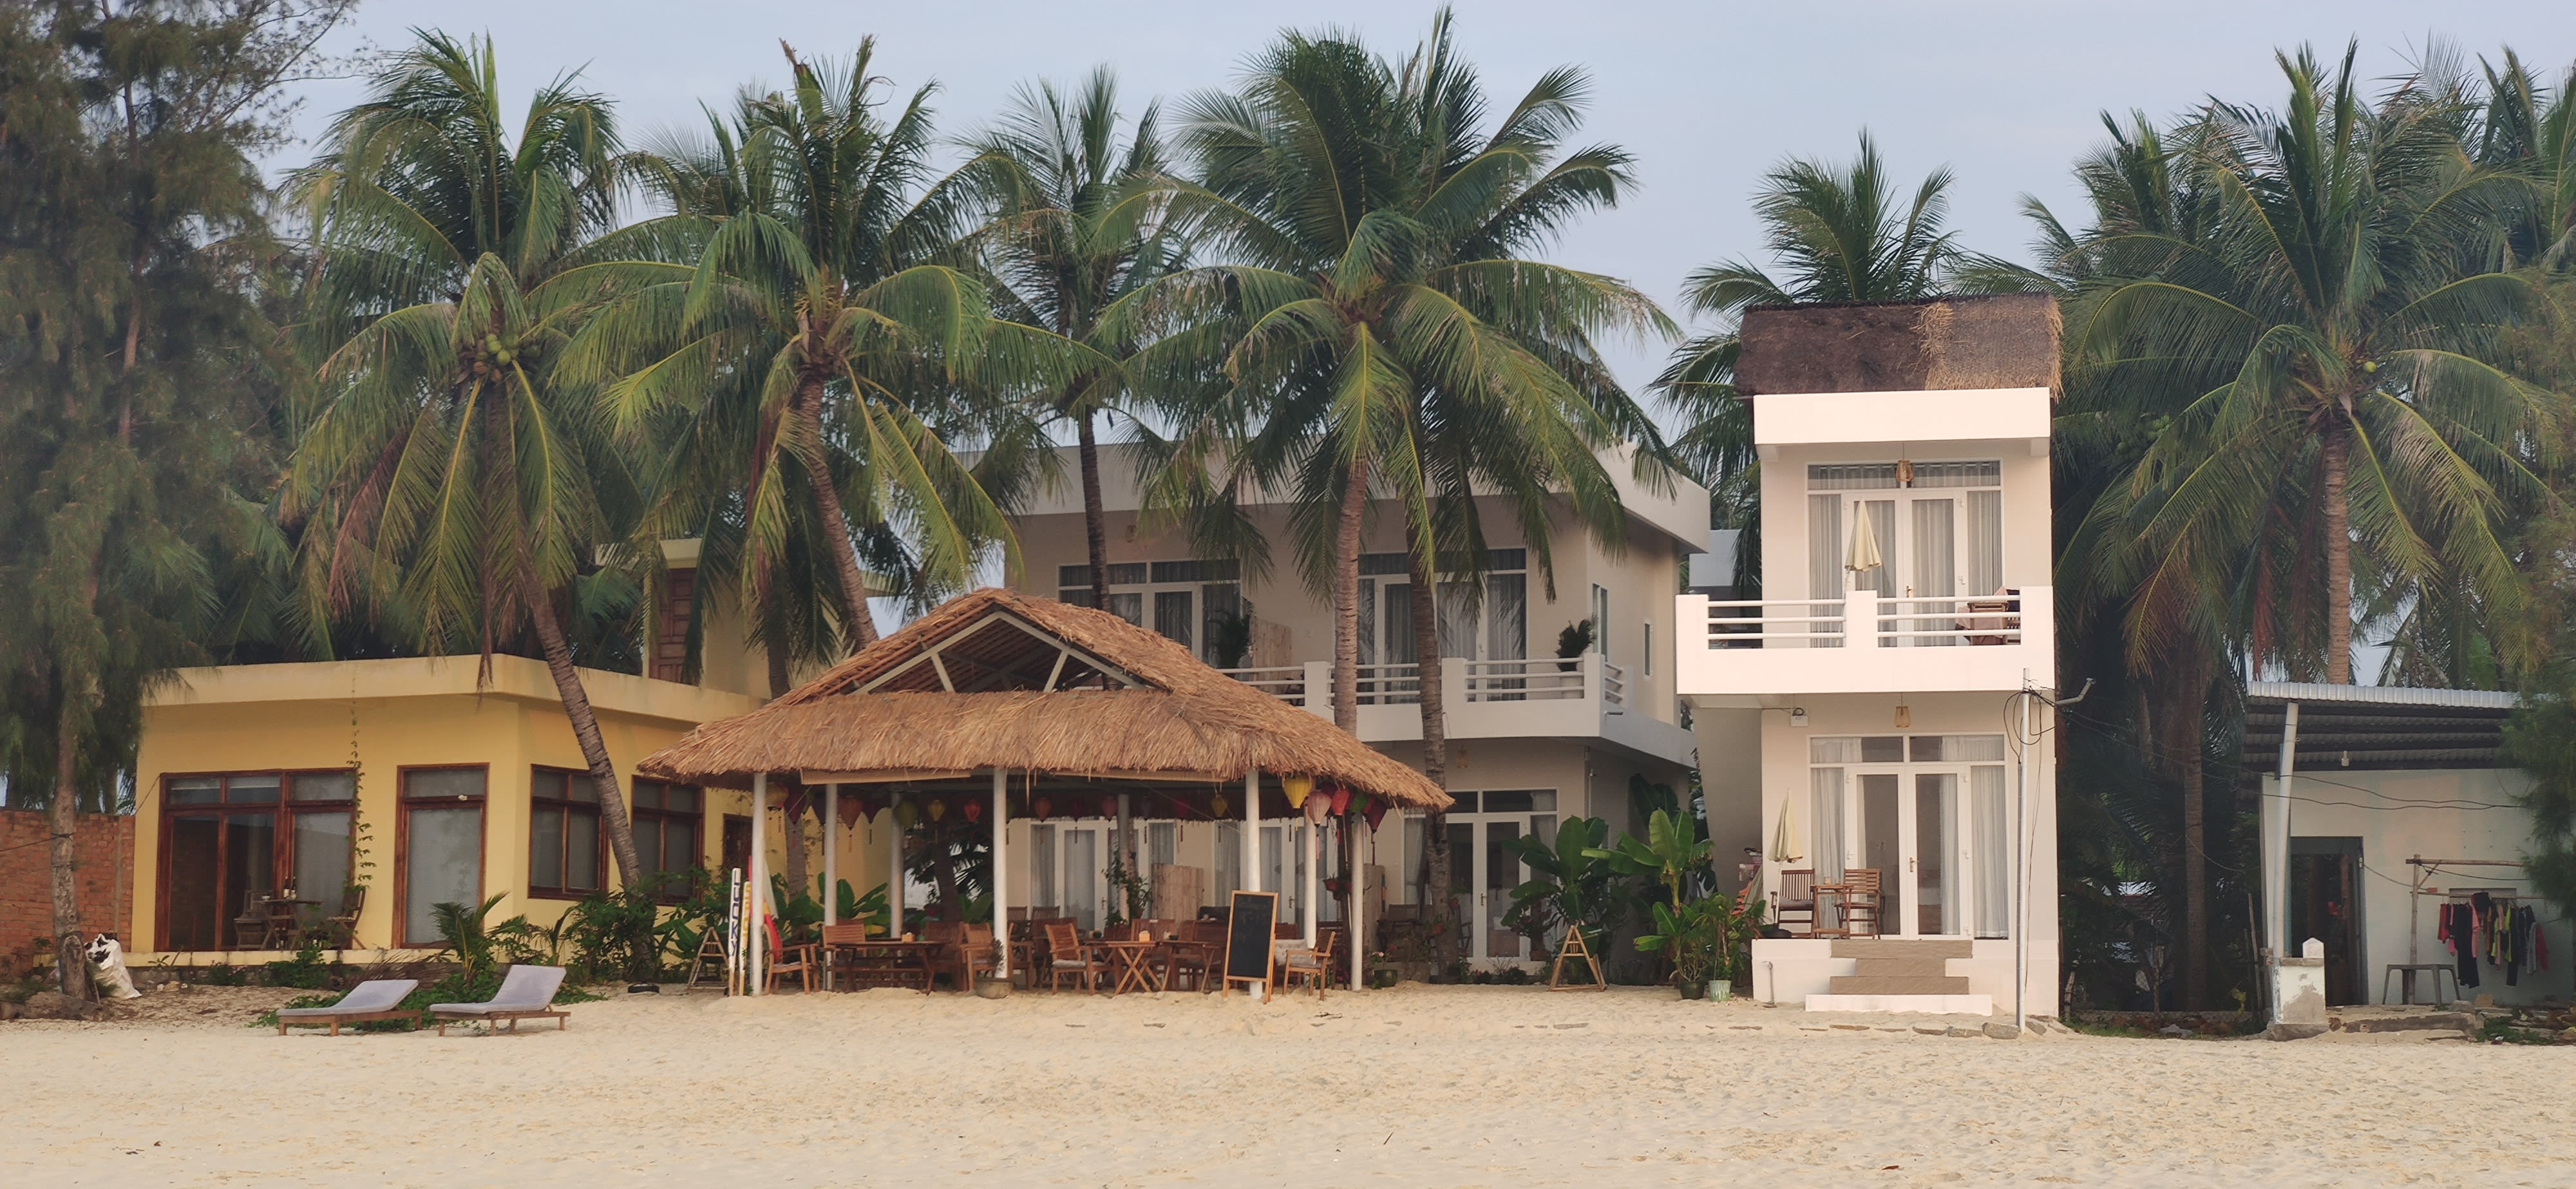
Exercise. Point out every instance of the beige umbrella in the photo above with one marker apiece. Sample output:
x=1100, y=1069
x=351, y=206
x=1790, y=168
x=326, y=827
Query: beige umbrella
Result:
x=1780, y=838
x=1864, y=543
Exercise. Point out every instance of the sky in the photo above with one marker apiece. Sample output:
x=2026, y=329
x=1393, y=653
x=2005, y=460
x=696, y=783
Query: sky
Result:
x=1706, y=96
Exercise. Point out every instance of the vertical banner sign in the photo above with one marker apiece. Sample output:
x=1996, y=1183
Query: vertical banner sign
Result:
x=733, y=931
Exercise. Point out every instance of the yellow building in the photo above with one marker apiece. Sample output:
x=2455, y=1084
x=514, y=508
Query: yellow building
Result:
x=416, y=783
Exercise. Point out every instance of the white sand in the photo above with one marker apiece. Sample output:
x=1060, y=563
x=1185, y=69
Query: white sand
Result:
x=1445, y=1086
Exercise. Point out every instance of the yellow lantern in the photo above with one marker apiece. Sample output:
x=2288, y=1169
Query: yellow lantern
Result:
x=1297, y=788
x=1217, y=805
x=938, y=809
x=906, y=815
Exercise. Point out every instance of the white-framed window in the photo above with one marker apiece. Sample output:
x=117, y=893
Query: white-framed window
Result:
x=1196, y=603
x=1928, y=813
x=1601, y=620
x=1939, y=527
x=1492, y=628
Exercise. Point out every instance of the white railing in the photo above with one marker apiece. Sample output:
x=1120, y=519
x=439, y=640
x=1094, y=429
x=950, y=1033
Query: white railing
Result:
x=1614, y=684
x=1544, y=680
x=1284, y=682
x=1891, y=622
x=1398, y=684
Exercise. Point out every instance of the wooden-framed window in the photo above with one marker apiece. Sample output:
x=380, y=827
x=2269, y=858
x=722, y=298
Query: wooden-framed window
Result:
x=229, y=839
x=564, y=849
x=670, y=823
x=438, y=848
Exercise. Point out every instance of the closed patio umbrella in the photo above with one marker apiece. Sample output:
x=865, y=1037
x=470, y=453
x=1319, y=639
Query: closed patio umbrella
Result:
x=1864, y=544
x=1780, y=838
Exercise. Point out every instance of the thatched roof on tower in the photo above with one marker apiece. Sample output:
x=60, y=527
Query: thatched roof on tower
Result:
x=996, y=679
x=2002, y=341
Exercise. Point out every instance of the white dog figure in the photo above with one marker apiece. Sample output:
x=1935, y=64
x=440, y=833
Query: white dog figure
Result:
x=107, y=960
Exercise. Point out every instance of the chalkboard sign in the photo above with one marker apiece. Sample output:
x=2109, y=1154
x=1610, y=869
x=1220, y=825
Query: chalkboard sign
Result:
x=1247, y=940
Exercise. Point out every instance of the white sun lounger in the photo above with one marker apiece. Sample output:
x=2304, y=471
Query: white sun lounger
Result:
x=375, y=999
x=527, y=992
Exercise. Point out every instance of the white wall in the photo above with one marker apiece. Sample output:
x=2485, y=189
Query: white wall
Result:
x=2446, y=814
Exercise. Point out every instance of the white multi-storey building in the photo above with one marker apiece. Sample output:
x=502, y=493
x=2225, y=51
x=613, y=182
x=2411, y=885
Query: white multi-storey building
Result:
x=1868, y=713
x=1534, y=737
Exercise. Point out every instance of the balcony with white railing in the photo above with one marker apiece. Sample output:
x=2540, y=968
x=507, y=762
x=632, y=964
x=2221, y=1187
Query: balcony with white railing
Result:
x=1865, y=644
x=1545, y=697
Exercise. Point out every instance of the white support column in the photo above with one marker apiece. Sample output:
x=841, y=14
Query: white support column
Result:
x=894, y=871
x=1356, y=825
x=832, y=854
x=1002, y=875
x=1313, y=845
x=1126, y=845
x=2276, y=841
x=1252, y=831
x=758, y=878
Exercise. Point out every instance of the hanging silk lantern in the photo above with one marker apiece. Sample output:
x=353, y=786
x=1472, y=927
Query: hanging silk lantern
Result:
x=1045, y=807
x=938, y=808
x=1375, y=812
x=974, y=811
x=1297, y=788
x=1217, y=806
x=852, y=810
x=1317, y=808
x=1109, y=807
x=907, y=814
x=1341, y=800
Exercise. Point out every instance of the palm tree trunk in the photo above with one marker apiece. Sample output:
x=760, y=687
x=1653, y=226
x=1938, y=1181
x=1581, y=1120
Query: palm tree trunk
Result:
x=1346, y=600
x=2184, y=726
x=585, y=730
x=1435, y=751
x=62, y=825
x=2338, y=557
x=1095, y=518
x=858, y=627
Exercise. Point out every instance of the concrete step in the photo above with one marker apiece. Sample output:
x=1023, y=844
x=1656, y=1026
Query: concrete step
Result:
x=1899, y=947
x=1970, y=1005
x=1857, y=984
x=1908, y=967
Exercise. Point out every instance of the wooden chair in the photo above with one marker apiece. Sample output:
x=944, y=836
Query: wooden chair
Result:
x=343, y=925
x=250, y=929
x=1313, y=966
x=1067, y=954
x=1193, y=952
x=1334, y=935
x=1857, y=901
x=964, y=951
x=1797, y=901
x=797, y=959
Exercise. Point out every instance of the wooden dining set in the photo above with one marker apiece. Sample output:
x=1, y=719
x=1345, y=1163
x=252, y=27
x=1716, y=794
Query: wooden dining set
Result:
x=1854, y=899
x=1142, y=955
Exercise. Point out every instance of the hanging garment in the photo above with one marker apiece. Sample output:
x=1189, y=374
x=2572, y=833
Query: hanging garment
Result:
x=2482, y=912
x=2464, y=942
x=2539, y=946
x=2508, y=918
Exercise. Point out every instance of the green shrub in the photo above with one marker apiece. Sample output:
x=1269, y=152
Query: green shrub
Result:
x=306, y=971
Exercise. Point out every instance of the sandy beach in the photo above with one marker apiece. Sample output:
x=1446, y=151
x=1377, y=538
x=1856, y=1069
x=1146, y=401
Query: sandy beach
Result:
x=1420, y=1085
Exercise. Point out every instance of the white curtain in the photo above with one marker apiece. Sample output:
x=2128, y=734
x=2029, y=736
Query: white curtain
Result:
x=1935, y=565
x=1985, y=542
x=1992, y=850
x=1825, y=828
x=1506, y=617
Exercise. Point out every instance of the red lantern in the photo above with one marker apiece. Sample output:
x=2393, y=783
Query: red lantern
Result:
x=974, y=811
x=1109, y=807
x=1044, y=807
x=852, y=811
x=1341, y=799
x=1374, y=811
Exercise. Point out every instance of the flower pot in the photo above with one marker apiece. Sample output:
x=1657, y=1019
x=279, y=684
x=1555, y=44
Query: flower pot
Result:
x=990, y=986
x=1691, y=990
x=1721, y=989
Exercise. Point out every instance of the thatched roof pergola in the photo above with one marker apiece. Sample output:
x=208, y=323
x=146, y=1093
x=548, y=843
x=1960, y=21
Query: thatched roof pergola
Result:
x=997, y=689
x=999, y=680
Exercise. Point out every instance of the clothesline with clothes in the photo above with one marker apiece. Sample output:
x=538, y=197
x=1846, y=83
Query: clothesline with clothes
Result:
x=2491, y=927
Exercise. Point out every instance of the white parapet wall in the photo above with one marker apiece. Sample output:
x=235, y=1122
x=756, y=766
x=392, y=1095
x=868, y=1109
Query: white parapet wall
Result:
x=1799, y=972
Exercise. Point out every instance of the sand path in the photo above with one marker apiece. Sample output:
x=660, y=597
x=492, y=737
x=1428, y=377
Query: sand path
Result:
x=1450, y=1086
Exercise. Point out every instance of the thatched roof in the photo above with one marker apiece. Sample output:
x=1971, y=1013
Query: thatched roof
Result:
x=997, y=679
x=2002, y=341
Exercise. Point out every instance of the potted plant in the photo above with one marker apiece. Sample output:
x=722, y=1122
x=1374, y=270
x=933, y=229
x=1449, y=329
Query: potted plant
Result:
x=1572, y=643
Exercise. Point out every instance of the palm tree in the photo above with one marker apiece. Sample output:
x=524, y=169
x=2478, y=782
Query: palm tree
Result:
x=1062, y=252
x=445, y=454
x=2333, y=353
x=1396, y=336
x=1837, y=234
x=821, y=331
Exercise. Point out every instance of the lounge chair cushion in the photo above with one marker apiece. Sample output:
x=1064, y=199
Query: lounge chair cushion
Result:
x=373, y=995
x=525, y=988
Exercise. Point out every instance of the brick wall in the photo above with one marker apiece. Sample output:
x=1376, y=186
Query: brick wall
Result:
x=106, y=867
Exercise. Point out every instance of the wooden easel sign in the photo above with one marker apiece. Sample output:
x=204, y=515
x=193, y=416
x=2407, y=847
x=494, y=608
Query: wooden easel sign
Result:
x=1249, y=923
x=1574, y=947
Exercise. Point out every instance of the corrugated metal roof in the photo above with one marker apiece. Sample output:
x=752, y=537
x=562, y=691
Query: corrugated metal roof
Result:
x=2381, y=695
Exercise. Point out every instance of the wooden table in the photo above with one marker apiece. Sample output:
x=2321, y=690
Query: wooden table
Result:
x=1132, y=961
x=883, y=963
x=283, y=922
x=1206, y=951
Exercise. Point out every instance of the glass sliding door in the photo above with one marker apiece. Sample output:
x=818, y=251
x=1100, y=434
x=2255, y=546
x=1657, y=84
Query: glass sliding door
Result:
x=442, y=847
x=1935, y=890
